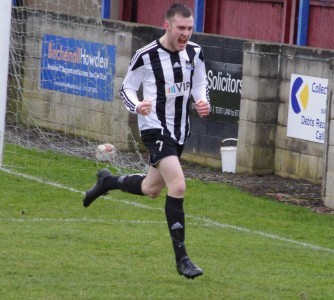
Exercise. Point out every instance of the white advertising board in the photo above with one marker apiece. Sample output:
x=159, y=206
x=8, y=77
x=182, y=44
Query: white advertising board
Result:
x=307, y=108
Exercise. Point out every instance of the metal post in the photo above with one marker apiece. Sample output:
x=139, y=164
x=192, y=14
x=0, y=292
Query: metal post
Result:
x=5, y=16
x=199, y=15
x=106, y=5
x=303, y=19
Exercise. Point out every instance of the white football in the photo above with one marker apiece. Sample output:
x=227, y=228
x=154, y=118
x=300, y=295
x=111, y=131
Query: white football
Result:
x=105, y=152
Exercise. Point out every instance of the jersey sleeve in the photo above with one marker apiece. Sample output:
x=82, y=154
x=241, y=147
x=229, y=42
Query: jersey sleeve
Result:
x=131, y=84
x=200, y=89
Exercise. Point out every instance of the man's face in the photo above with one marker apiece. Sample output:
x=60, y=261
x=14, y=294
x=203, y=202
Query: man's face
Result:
x=178, y=32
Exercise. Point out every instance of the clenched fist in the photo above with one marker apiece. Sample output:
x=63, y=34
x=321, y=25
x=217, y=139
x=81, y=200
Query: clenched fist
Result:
x=145, y=107
x=202, y=107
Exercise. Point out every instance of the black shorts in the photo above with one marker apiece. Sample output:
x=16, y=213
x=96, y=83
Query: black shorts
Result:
x=160, y=146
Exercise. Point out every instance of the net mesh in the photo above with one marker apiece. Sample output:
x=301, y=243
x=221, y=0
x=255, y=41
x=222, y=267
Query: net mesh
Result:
x=32, y=121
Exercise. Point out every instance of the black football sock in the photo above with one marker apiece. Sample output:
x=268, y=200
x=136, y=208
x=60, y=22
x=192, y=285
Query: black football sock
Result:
x=131, y=183
x=176, y=225
x=111, y=183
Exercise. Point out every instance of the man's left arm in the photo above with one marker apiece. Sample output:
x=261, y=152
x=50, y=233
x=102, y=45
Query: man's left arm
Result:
x=200, y=90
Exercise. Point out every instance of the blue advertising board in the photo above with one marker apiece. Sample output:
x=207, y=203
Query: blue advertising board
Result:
x=78, y=67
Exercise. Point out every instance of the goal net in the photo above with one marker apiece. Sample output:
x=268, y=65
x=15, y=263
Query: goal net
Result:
x=62, y=95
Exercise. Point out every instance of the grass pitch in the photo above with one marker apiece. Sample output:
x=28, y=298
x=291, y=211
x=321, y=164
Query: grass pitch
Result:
x=119, y=248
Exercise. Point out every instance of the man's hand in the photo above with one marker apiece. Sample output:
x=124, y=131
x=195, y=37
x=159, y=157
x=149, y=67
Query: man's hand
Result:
x=203, y=108
x=145, y=107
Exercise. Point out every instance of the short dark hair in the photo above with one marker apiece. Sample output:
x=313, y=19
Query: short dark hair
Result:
x=178, y=9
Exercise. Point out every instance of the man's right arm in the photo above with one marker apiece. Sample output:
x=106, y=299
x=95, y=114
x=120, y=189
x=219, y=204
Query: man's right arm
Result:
x=130, y=86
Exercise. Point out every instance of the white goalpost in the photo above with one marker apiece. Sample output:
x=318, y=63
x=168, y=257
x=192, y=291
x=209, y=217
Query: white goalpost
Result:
x=5, y=16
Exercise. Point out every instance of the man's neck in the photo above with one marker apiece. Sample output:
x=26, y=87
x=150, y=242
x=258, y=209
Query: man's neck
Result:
x=164, y=42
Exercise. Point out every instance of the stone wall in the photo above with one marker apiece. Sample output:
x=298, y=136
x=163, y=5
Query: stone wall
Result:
x=328, y=179
x=101, y=120
x=264, y=146
x=63, y=112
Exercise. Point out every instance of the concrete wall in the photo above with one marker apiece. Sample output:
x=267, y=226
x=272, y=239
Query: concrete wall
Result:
x=55, y=111
x=328, y=179
x=264, y=146
x=97, y=119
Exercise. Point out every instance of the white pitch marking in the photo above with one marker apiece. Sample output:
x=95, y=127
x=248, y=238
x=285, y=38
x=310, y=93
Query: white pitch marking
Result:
x=264, y=234
x=78, y=220
x=207, y=221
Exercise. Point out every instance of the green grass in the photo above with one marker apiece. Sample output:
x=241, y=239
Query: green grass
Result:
x=119, y=248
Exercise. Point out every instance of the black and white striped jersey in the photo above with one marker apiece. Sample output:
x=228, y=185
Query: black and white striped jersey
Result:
x=168, y=79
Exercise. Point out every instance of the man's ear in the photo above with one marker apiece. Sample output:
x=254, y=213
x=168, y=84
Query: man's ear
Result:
x=166, y=25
